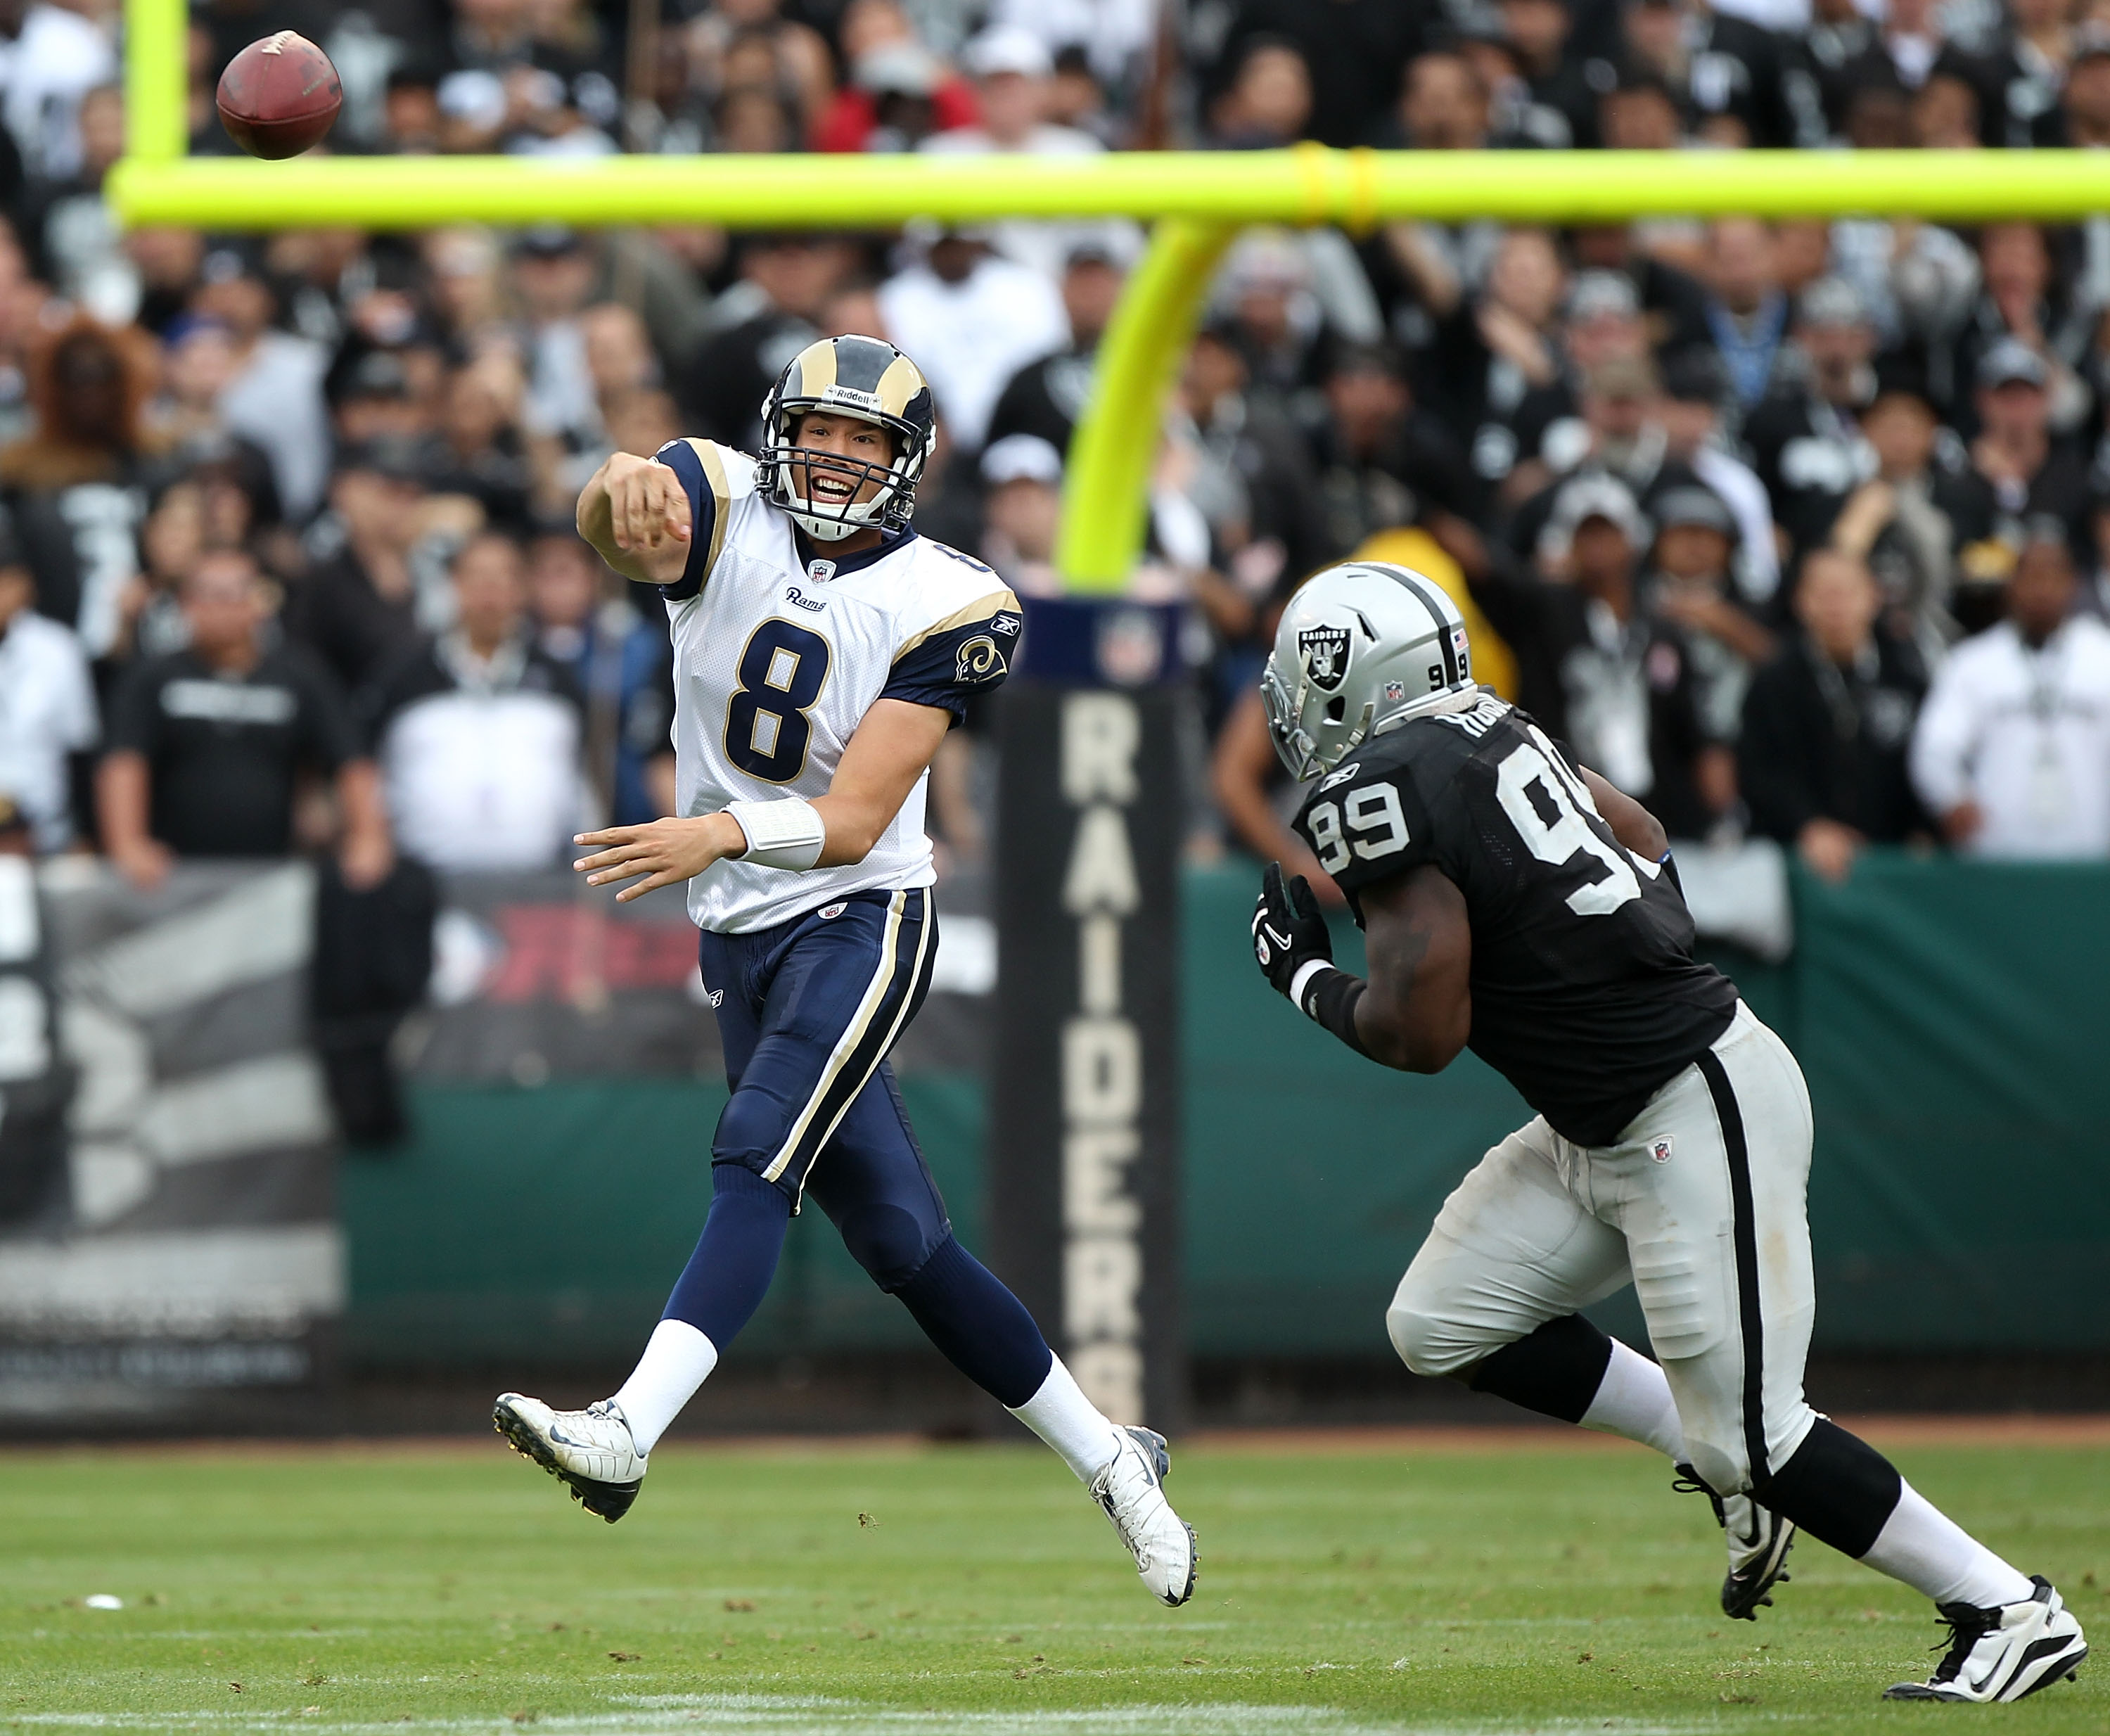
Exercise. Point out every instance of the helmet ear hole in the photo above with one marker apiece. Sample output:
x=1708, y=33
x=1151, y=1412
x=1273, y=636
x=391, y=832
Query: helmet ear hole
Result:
x=1336, y=709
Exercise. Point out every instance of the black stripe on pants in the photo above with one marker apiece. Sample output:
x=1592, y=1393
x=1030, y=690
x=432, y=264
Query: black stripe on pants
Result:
x=1744, y=1235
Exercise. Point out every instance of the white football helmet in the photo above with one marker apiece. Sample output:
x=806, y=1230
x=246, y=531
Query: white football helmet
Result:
x=1362, y=647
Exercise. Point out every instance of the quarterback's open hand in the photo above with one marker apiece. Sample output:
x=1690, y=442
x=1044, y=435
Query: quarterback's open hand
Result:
x=665, y=852
x=1288, y=931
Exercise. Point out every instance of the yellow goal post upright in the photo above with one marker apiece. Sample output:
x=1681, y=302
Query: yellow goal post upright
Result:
x=1084, y=1106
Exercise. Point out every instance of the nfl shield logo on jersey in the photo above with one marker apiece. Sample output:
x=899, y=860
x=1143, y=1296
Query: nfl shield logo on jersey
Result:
x=1325, y=653
x=1660, y=1150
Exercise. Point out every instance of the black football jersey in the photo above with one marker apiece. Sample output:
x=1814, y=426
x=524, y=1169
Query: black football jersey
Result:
x=1586, y=995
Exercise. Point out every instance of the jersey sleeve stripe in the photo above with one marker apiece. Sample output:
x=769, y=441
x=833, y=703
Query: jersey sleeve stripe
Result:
x=983, y=609
x=703, y=477
x=721, y=489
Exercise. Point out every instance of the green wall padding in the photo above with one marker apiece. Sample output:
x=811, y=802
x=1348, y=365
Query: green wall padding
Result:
x=551, y=1222
x=1951, y=1018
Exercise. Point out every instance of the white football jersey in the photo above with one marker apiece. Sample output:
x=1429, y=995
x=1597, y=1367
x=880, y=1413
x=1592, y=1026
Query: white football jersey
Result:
x=778, y=655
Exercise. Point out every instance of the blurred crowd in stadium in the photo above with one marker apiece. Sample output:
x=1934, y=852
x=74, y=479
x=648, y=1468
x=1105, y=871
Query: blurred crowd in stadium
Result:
x=1798, y=531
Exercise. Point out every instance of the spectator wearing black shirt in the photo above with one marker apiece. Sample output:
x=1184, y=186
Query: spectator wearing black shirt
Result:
x=1674, y=303
x=1910, y=520
x=1248, y=473
x=1495, y=361
x=2032, y=475
x=358, y=608
x=786, y=281
x=1354, y=50
x=1045, y=397
x=1727, y=73
x=1602, y=671
x=1805, y=438
x=1537, y=31
x=2084, y=105
x=1268, y=102
x=1828, y=723
x=1383, y=462
x=1691, y=584
x=2024, y=298
x=1826, y=71
x=480, y=452
x=2022, y=74
x=206, y=745
x=71, y=486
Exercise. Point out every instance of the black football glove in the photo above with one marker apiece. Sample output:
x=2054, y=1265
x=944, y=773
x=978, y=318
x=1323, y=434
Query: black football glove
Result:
x=1288, y=931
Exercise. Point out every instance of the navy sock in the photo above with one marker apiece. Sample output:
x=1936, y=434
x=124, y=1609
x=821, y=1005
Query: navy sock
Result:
x=728, y=1275
x=966, y=1310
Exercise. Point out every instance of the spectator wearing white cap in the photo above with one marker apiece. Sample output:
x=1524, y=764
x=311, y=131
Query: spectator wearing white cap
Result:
x=1023, y=509
x=1013, y=72
x=971, y=319
x=1115, y=34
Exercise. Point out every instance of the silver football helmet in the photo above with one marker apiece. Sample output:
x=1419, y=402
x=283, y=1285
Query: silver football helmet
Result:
x=1362, y=647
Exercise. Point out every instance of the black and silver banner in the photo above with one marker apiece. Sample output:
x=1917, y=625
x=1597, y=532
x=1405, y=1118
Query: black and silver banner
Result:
x=1083, y=1153
x=168, y=1216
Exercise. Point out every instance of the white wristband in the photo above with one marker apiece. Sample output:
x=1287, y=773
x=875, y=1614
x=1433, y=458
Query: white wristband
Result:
x=1301, y=981
x=787, y=833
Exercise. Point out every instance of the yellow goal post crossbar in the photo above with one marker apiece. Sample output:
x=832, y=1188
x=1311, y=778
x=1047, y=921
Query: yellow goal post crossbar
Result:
x=1196, y=200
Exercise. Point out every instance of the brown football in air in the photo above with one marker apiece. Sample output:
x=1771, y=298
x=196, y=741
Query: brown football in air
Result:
x=277, y=96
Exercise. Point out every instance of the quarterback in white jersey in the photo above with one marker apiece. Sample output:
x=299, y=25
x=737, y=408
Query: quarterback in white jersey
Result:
x=783, y=655
x=821, y=650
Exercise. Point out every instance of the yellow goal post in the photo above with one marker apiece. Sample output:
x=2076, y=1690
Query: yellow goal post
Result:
x=1197, y=201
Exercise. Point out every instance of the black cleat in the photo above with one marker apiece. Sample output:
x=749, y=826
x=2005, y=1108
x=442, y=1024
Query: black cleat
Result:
x=1759, y=1538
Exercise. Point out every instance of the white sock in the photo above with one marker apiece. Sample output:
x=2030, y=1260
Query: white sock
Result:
x=1634, y=1400
x=676, y=1359
x=1061, y=1415
x=1922, y=1546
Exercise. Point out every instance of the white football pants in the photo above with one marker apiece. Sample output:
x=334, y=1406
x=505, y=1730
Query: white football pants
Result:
x=1702, y=1204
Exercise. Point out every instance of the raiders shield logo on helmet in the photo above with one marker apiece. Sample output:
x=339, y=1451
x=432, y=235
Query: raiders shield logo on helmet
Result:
x=1324, y=650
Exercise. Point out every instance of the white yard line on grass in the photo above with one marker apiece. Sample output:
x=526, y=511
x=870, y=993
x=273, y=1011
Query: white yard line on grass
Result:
x=770, y=1714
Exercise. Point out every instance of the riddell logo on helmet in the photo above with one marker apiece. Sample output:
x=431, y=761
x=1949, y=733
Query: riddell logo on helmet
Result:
x=1324, y=650
x=850, y=398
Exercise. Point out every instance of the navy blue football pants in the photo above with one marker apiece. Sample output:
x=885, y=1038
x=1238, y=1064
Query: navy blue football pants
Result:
x=807, y=1012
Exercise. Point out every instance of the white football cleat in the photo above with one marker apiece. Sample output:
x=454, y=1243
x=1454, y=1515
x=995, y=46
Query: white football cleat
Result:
x=1130, y=1487
x=2004, y=1653
x=589, y=1451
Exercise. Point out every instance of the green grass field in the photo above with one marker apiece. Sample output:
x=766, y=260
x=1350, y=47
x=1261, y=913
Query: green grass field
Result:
x=1459, y=1586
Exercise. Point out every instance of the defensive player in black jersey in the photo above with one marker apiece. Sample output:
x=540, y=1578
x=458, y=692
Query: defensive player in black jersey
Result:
x=1515, y=904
